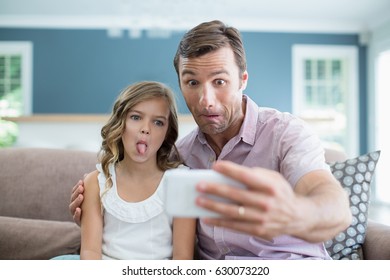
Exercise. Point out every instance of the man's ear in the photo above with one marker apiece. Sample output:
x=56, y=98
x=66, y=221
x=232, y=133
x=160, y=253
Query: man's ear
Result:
x=244, y=80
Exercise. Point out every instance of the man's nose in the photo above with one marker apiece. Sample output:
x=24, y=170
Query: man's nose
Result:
x=207, y=97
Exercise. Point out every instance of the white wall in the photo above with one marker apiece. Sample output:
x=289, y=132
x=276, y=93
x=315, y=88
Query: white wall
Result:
x=378, y=119
x=79, y=135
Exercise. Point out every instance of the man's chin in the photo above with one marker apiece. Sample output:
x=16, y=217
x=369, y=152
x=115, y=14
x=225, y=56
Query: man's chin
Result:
x=212, y=129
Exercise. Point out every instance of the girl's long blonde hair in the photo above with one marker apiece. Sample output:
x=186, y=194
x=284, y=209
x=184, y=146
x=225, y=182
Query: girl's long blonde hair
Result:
x=112, y=149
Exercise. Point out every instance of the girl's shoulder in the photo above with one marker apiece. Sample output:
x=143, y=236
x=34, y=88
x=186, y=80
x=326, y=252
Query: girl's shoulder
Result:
x=91, y=178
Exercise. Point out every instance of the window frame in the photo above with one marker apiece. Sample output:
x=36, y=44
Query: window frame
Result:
x=302, y=52
x=25, y=50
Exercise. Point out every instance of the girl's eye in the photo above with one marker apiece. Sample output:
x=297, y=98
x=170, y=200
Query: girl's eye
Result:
x=159, y=123
x=135, y=117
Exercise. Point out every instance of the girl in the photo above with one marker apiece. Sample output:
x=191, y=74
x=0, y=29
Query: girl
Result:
x=123, y=209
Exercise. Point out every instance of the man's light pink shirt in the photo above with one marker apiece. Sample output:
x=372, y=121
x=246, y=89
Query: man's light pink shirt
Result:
x=269, y=139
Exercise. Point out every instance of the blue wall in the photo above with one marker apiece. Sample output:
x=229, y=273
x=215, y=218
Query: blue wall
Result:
x=83, y=71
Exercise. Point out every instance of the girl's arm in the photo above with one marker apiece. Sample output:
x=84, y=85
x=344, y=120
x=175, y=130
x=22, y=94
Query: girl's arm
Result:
x=183, y=238
x=92, y=220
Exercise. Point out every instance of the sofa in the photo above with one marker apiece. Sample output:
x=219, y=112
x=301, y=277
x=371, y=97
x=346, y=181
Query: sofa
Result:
x=35, y=187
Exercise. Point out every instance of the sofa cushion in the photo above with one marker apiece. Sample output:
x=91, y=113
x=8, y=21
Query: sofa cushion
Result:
x=36, y=183
x=377, y=244
x=29, y=239
x=355, y=176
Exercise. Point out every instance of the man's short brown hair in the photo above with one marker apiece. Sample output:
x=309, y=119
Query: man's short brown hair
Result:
x=208, y=37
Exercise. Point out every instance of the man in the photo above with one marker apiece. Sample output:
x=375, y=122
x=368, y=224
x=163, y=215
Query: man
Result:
x=292, y=202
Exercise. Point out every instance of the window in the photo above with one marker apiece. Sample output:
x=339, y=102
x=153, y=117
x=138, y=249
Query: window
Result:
x=15, y=86
x=382, y=135
x=325, y=93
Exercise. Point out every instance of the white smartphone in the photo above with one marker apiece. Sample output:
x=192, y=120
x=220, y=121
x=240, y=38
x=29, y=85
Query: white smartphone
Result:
x=180, y=191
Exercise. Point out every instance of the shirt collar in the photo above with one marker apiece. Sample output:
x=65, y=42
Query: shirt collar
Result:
x=248, y=128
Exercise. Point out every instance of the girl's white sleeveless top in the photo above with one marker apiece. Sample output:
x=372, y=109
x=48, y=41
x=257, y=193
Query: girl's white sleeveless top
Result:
x=134, y=231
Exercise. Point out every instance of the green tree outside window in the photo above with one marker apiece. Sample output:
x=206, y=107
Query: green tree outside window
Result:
x=11, y=99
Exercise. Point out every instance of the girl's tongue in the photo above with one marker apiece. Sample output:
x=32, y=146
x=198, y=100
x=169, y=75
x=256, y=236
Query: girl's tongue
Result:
x=141, y=148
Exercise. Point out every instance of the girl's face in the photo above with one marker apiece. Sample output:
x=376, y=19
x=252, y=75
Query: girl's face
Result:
x=145, y=129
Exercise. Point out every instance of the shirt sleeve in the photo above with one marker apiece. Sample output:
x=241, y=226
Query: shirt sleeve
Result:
x=299, y=149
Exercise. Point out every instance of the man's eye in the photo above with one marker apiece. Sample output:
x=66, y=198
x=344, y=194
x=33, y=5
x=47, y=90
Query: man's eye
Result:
x=220, y=82
x=192, y=83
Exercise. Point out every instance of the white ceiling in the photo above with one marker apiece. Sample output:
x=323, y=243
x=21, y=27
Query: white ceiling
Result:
x=349, y=16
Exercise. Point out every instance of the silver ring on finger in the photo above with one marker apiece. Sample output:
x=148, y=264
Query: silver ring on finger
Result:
x=241, y=211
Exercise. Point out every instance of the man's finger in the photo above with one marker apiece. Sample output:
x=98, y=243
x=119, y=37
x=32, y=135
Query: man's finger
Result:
x=76, y=186
x=77, y=216
x=257, y=179
x=79, y=189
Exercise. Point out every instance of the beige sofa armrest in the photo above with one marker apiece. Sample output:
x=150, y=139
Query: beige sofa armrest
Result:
x=377, y=243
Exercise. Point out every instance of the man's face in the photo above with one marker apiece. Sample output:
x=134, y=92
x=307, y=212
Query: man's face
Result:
x=212, y=88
